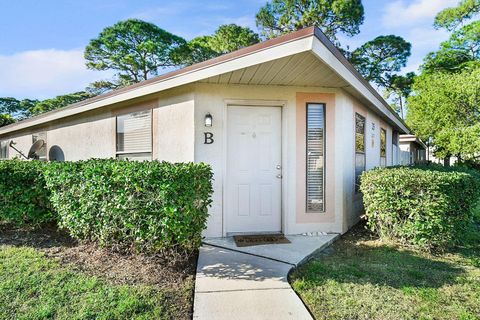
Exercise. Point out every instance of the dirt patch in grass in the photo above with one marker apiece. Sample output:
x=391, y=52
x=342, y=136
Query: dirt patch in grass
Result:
x=42, y=237
x=116, y=267
x=125, y=269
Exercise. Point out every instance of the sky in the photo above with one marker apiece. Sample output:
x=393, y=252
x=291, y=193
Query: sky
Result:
x=42, y=42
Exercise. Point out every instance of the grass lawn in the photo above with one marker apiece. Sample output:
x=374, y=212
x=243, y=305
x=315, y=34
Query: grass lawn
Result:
x=363, y=278
x=34, y=285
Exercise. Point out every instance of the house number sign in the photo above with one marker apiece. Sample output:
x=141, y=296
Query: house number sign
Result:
x=208, y=138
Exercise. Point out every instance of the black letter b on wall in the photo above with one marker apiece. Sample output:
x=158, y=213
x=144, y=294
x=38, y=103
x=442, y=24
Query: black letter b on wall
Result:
x=208, y=138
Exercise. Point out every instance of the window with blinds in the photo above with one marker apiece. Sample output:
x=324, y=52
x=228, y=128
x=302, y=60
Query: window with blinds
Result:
x=134, y=136
x=359, y=149
x=4, y=149
x=315, y=157
x=383, y=147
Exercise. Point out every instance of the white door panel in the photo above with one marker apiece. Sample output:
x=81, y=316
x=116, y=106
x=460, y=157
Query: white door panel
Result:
x=253, y=192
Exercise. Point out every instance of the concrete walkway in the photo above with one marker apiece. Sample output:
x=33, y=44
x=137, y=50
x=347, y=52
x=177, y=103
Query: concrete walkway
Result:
x=251, y=282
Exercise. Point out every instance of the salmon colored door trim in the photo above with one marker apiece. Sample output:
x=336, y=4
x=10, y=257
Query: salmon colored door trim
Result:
x=302, y=216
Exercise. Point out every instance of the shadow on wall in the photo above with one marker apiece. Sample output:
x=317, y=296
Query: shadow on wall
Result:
x=56, y=154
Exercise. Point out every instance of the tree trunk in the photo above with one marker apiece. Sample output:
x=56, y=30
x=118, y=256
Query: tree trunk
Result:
x=446, y=161
x=401, y=106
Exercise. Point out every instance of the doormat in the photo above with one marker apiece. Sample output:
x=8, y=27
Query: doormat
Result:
x=256, y=240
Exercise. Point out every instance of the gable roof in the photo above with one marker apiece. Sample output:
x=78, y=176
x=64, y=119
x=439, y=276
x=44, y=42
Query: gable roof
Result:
x=305, y=40
x=412, y=138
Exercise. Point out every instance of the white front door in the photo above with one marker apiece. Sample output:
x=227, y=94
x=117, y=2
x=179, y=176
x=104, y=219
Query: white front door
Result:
x=254, y=185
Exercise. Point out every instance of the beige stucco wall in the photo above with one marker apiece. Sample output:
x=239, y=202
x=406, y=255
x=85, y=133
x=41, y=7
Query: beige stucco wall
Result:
x=302, y=99
x=343, y=206
x=23, y=143
x=174, y=127
x=373, y=124
x=178, y=136
x=93, y=135
x=213, y=99
x=89, y=137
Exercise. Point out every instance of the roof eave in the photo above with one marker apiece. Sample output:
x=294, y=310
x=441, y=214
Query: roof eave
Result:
x=110, y=96
x=343, y=60
x=159, y=83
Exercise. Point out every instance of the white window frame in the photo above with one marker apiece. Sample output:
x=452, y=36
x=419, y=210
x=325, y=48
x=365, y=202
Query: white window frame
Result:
x=383, y=158
x=323, y=156
x=362, y=153
x=136, y=153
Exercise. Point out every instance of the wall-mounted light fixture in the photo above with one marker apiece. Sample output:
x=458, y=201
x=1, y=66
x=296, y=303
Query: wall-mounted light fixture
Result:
x=208, y=120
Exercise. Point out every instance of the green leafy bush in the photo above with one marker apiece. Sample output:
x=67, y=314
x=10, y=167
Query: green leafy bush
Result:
x=427, y=207
x=140, y=206
x=469, y=164
x=24, y=199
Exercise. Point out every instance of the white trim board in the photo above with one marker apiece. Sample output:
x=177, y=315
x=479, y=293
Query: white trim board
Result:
x=273, y=52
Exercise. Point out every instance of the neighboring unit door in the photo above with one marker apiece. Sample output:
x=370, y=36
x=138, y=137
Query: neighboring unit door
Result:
x=254, y=180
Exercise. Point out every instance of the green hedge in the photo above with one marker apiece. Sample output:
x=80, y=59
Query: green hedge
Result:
x=24, y=198
x=143, y=206
x=427, y=207
x=140, y=206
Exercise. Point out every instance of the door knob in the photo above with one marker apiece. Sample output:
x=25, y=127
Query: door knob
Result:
x=279, y=167
x=279, y=176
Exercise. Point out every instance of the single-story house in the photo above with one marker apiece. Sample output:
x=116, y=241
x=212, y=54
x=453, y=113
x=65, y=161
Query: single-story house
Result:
x=287, y=125
x=412, y=150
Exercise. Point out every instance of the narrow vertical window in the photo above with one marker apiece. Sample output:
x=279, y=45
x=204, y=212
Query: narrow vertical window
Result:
x=4, y=149
x=394, y=147
x=134, y=136
x=359, y=149
x=395, y=138
x=383, y=147
x=315, y=157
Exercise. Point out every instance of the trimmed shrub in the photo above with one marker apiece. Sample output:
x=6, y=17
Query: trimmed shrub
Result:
x=139, y=206
x=24, y=198
x=427, y=206
x=468, y=164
